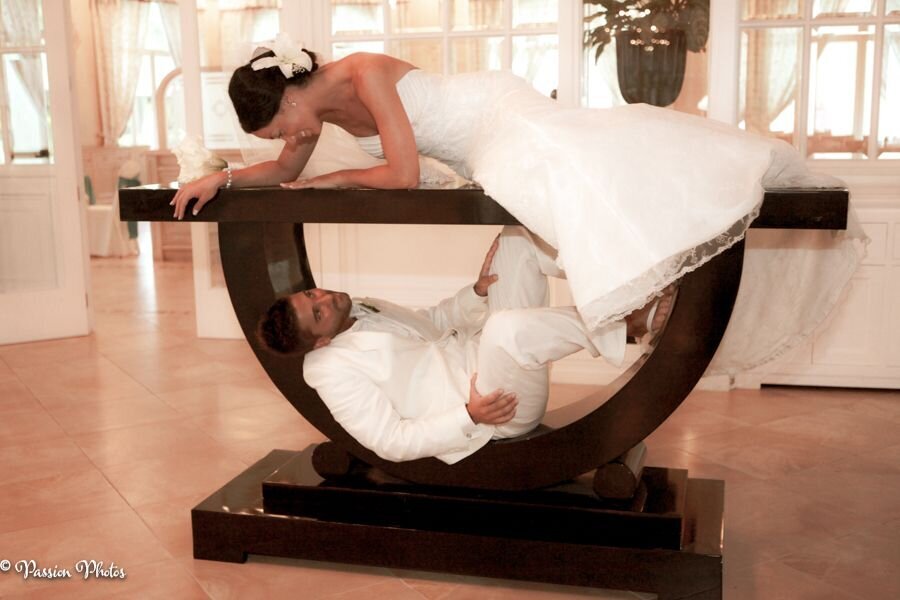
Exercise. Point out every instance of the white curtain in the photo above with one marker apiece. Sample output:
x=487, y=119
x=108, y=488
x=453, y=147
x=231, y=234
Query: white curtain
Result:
x=772, y=74
x=773, y=63
x=237, y=25
x=22, y=26
x=171, y=19
x=120, y=27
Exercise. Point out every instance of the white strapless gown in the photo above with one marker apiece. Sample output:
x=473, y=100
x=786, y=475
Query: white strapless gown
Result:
x=633, y=197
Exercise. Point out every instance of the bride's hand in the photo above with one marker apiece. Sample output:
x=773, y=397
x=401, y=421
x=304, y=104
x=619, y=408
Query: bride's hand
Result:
x=203, y=189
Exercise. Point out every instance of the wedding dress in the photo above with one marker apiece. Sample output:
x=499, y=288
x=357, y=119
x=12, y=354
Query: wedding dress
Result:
x=632, y=197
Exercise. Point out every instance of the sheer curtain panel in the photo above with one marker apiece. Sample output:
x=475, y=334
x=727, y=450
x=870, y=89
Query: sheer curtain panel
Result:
x=120, y=27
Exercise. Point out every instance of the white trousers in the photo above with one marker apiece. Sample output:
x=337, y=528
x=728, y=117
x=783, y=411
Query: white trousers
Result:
x=523, y=335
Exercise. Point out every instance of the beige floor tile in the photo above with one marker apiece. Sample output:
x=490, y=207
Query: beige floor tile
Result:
x=160, y=479
x=113, y=414
x=46, y=352
x=16, y=397
x=29, y=426
x=158, y=440
x=889, y=457
x=79, y=381
x=775, y=581
x=153, y=339
x=440, y=586
x=43, y=458
x=170, y=522
x=865, y=487
x=180, y=368
x=839, y=428
x=432, y=586
x=251, y=451
x=265, y=578
x=761, y=454
x=688, y=423
x=227, y=349
x=61, y=497
x=222, y=396
x=863, y=563
x=117, y=325
x=697, y=466
x=391, y=588
x=472, y=588
x=119, y=537
x=253, y=423
x=6, y=373
x=765, y=522
x=877, y=404
x=761, y=405
x=821, y=398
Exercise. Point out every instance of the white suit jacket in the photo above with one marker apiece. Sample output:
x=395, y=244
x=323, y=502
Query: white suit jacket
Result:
x=404, y=396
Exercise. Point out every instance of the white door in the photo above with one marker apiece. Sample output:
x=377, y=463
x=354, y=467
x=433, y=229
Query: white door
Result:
x=43, y=255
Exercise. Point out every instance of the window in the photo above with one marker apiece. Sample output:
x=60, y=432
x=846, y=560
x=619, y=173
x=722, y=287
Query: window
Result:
x=823, y=75
x=454, y=36
x=156, y=63
x=24, y=89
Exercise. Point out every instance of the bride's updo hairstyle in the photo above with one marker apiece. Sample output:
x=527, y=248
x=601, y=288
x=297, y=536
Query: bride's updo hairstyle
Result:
x=256, y=94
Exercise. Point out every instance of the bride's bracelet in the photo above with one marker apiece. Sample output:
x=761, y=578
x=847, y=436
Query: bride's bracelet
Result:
x=228, y=177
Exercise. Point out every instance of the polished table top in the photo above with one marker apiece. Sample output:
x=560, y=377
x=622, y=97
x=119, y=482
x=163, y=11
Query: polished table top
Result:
x=788, y=208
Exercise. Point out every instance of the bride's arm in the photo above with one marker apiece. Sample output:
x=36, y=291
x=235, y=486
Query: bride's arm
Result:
x=286, y=167
x=377, y=90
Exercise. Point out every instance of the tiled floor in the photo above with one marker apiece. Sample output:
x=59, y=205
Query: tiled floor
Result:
x=107, y=441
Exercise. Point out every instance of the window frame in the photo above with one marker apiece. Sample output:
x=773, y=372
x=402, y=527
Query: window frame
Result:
x=806, y=22
x=446, y=35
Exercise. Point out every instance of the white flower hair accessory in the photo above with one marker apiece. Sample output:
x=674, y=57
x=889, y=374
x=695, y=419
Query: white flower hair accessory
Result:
x=289, y=57
x=196, y=160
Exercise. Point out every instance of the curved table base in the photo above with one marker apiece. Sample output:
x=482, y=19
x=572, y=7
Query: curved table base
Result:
x=263, y=261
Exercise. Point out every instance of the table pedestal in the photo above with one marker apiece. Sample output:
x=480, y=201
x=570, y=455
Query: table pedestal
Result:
x=667, y=540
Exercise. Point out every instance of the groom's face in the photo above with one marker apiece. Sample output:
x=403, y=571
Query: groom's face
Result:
x=322, y=313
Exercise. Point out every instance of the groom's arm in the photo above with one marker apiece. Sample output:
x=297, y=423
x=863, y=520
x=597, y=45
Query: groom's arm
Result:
x=365, y=412
x=468, y=308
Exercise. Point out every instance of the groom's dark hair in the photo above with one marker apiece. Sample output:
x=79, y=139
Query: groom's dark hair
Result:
x=279, y=329
x=256, y=95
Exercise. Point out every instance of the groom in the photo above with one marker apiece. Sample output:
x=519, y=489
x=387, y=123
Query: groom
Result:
x=443, y=381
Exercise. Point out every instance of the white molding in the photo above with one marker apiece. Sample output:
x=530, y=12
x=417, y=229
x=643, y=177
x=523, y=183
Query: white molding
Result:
x=571, y=54
x=724, y=60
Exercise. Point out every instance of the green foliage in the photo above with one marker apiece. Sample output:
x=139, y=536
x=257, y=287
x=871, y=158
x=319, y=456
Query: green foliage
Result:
x=646, y=18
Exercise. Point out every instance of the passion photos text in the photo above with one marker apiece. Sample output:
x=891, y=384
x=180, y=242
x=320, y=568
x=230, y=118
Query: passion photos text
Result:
x=86, y=569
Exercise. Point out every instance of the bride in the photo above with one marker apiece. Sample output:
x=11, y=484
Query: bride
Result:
x=632, y=197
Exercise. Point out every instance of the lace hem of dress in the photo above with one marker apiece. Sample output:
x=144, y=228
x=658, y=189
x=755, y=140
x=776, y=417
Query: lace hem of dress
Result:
x=635, y=294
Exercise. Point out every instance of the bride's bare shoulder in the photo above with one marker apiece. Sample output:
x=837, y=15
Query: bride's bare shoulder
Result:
x=363, y=64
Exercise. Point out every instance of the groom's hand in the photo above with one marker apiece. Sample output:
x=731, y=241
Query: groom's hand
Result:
x=485, y=279
x=492, y=409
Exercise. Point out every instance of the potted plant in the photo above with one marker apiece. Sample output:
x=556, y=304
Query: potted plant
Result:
x=652, y=41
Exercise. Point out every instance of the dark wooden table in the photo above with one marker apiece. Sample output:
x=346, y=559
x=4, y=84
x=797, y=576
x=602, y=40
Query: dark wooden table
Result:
x=262, y=512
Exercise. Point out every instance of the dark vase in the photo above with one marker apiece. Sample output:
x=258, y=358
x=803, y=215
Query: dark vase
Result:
x=652, y=73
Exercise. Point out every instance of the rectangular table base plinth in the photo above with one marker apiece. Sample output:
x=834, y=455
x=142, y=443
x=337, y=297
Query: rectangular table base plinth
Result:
x=233, y=523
